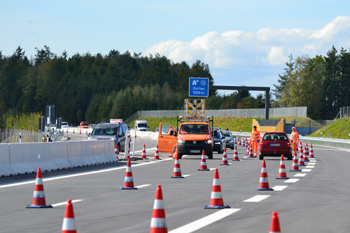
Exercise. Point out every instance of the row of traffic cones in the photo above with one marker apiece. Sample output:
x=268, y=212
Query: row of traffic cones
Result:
x=143, y=154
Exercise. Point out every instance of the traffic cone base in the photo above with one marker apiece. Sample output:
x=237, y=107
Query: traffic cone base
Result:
x=128, y=180
x=38, y=195
x=177, y=169
x=203, y=166
x=224, y=158
x=263, y=182
x=216, y=200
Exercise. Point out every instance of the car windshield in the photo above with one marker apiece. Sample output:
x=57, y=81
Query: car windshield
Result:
x=105, y=130
x=142, y=125
x=275, y=136
x=194, y=129
x=227, y=134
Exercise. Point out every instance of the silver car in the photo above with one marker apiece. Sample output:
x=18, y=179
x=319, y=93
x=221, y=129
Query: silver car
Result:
x=111, y=131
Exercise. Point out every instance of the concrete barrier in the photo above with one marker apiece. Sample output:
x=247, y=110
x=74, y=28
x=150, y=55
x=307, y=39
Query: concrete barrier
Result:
x=5, y=165
x=23, y=158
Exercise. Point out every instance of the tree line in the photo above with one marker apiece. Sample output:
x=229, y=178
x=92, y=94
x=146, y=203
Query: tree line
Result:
x=96, y=87
x=321, y=83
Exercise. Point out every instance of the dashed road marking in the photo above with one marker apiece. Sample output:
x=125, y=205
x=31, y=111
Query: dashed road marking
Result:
x=308, y=166
x=257, y=198
x=300, y=175
x=207, y=220
x=64, y=203
x=142, y=186
x=306, y=170
x=279, y=187
x=291, y=181
x=186, y=175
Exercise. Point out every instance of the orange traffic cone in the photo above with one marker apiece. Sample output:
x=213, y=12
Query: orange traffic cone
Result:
x=224, y=158
x=311, y=152
x=251, y=155
x=39, y=195
x=116, y=151
x=158, y=222
x=156, y=154
x=128, y=180
x=306, y=154
x=295, y=167
x=177, y=169
x=216, y=201
x=239, y=141
x=282, y=170
x=203, y=166
x=264, y=183
x=143, y=155
x=275, y=223
x=301, y=160
x=235, y=154
x=68, y=225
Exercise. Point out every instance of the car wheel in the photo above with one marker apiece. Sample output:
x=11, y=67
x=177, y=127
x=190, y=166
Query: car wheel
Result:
x=210, y=155
x=261, y=157
x=180, y=155
x=220, y=151
x=290, y=156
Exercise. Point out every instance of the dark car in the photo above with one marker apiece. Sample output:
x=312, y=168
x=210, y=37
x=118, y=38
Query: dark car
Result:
x=275, y=144
x=219, y=141
x=229, y=138
x=111, y=131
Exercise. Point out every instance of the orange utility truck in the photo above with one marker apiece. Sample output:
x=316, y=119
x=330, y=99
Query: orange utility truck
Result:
x=192, y=135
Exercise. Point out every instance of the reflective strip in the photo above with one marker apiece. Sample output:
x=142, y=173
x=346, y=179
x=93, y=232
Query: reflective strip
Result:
x=68, y=224
x=158, y=223
x=38, y=194
x=39, y=181
x=216, y=195
x=158, y=204
x=263, y=180
x=216, y=182
x=128, y=179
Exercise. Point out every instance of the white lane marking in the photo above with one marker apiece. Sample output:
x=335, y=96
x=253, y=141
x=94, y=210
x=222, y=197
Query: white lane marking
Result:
x=186, y=175
x=291, y=181
x=279, y=187
x=142, y=186
x=312, y=160
x=211, y=169
x=138, y=151
x=257, y=198
x=306, y=170
x=84, y=173
x=64, y=203
x=300, y=175
x=200, y=223
x=308, y=166
x=311, y=164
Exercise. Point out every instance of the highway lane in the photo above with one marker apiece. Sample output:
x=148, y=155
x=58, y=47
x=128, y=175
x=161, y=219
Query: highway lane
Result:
x=316, y=202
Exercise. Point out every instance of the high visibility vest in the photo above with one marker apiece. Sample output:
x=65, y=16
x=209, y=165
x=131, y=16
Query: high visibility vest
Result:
x=295, y=136
x=255, y=136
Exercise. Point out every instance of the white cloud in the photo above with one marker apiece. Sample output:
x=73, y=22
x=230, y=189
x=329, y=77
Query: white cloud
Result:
x=265, y=47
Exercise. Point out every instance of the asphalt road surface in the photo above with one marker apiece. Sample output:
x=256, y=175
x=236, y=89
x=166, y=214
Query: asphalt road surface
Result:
x=314, y=200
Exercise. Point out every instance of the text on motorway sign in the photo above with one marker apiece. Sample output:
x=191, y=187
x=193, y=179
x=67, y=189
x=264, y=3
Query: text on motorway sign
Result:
x=199, y=87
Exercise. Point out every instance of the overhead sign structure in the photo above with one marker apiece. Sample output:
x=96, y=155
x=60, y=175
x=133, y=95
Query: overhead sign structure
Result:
x=199, y=87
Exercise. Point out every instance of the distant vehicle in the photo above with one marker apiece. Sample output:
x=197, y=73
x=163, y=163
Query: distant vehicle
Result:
x=83, y=124
x=275, y=144
x=111, y=131
x=219, y=141
x=229, y=138
x=64, y=124
x=141, y=125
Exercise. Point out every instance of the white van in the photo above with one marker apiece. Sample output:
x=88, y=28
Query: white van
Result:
x=141, y=125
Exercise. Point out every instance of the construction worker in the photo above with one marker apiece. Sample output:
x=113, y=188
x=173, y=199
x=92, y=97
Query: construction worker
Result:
x=254, y=140
x=294, y=138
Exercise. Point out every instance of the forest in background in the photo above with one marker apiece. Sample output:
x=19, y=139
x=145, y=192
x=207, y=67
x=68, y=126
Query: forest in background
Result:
x=99, y=87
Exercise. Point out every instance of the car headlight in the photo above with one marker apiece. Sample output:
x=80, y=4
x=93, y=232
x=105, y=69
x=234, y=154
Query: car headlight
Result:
x=209, y=142
x=180, y=141
x=217, y=143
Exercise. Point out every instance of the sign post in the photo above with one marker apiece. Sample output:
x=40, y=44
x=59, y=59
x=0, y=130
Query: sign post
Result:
x=199, y=87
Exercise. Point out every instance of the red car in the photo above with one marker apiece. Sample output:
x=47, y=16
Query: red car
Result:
x=275, y=144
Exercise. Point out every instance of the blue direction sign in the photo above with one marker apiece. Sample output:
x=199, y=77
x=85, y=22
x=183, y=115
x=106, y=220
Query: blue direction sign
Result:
x=199, y=87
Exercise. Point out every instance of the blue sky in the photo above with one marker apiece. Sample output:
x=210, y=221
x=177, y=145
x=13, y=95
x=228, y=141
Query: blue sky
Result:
x=243, y=42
